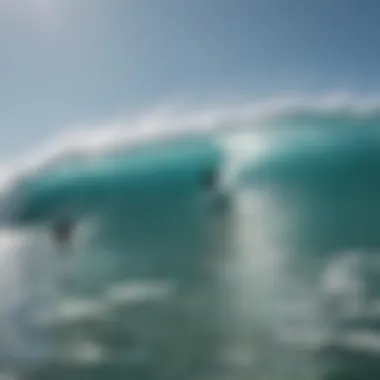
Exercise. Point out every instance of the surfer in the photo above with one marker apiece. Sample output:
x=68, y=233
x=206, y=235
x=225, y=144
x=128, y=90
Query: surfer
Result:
x=62, y=232
x=218, y=199
x=209, y=180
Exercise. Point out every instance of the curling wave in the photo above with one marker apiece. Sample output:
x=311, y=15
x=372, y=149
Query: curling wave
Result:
x=219, y=270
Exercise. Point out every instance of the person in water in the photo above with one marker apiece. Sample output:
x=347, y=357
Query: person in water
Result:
x=62, y=232
x=210, y=183
x=209, y=180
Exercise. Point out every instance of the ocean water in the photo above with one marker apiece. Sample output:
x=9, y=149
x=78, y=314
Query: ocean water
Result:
x=272, y=274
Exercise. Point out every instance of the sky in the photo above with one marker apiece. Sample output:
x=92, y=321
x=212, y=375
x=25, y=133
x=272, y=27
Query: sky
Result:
x=69, y=62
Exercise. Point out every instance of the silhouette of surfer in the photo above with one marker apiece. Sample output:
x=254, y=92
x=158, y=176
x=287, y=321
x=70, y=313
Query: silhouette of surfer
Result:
x=209, y=180
x=62, y=232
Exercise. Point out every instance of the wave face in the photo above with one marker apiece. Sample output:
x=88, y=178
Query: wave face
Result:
x=271, y=274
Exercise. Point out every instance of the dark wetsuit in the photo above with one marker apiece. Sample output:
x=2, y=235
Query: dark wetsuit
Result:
x=209, y=180
x=62, y=232
x=210, y=184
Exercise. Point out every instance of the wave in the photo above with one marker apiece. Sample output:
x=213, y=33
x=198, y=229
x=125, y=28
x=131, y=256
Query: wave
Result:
x=297, y=190
x=170, y=122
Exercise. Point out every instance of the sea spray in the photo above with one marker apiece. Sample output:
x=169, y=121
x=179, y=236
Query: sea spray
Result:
x=273, y=278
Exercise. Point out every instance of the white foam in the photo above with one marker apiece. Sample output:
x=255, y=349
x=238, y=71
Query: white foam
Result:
x=167, y=123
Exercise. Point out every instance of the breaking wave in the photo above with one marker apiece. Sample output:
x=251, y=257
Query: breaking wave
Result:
x=159, y=284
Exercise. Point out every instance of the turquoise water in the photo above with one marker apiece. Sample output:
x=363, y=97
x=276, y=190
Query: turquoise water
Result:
x=80, y=188
x=272, y=274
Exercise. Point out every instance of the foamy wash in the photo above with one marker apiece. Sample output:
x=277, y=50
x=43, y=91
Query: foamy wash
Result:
x=174, y=279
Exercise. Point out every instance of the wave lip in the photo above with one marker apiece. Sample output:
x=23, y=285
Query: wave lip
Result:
x=168, y=123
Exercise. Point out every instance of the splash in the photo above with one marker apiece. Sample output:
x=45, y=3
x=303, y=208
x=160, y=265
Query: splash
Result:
x=233, y=274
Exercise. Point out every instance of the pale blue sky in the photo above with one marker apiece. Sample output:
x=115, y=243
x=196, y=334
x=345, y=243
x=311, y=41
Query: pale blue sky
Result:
x=72, y=61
